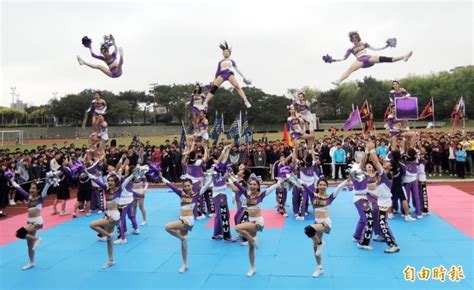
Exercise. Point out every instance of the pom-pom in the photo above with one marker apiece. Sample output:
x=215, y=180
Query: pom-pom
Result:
x=327, y=58
x=77, y=168
x=153, y=171
x=86, y=41
x=356, y=172
x=392, y=42
x=52, y=177
x=284, y=171
x=9, y=174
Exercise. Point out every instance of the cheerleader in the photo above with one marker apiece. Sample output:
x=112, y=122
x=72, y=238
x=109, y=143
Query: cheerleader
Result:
x=410, y=180
x=397, y=189
x=201, y=127
x=365, y=225
x=241, y=215
x=84, y=190
x=256, y=222
x=114, y=63
x=225, y=72
x=296, y=125
x=193, y=162
x=181, y=227
x=363, y=59
x=139, y=188
x=398, y=92
x=322, y=222
x=35, y=220
x=304, y=110
x=421, y=174
x=105, y=227
x=384, y=197
x=307, y=177
x=282, y=170
x=197, y=103
x=221, y=218
x=97, y=108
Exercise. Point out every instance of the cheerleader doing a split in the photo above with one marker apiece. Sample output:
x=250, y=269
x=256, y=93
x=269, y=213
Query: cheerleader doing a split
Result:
x=114, y=63
x=225, y=72
x=364, y=60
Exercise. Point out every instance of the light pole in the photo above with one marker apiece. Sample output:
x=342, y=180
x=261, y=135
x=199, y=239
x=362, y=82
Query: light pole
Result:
x=152, y=92
x=13, y=96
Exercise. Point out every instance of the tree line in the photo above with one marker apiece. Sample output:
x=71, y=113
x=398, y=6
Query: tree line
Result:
x=333, y=104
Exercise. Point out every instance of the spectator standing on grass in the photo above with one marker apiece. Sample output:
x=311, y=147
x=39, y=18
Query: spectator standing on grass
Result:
x=339, y=161
x=461, y=160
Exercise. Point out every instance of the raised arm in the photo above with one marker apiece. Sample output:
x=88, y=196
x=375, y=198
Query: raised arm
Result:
x=18, y=188
x=44, y=192
x=272, y=187
x=225, y=154
x=373, y=157
x=348, y=53
x=339, y=188
x=96, y=180
x=171, y=186
x=376, y=48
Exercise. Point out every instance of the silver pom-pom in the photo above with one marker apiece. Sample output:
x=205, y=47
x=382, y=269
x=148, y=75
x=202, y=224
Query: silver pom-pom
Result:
x=52, y=178
x=356, y=172
x=142, y=170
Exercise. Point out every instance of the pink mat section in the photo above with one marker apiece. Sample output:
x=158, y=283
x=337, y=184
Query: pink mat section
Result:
x=9, y=226
x=454, y=206
x=272, y=219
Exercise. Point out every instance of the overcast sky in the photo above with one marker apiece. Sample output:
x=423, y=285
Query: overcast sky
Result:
x=277, y=44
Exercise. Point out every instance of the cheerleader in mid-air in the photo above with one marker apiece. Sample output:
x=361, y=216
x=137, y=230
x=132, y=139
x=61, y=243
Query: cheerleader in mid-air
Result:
x=363, y=59
x=114, y=63
x=225, y=72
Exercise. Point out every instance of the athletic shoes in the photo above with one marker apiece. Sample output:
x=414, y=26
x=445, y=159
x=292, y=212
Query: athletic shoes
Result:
x=319, y=271
x=88, y=213
x=409, y=218
x=391, y=216
x=102, y=239
x=143, y=223
x=28, y=266
x=355, y=240
x=120, y=242
x=36, y=243
x=407, y=56
x=218, y=237
x=108, y=264
x=244, y=243
x=79, y=60
x=63, y=213
x=136, y=231
x=231, y=240
x=251, y=272
x=379, y=239
x=285, y=215
x=392, y=249
x=425, y=213
x=183, y=268
x=248, y=105
x=201, y=217
x=210, y=215
x=419, y=217
x=319, y=249
x=364, y=247
x=299, y=218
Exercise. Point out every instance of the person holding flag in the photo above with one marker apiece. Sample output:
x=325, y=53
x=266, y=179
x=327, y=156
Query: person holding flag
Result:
x=458, y=113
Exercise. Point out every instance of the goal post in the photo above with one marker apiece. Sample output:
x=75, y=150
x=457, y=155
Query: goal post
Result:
x=12, y=137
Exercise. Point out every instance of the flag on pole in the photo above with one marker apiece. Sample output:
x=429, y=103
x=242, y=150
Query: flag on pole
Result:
x=387, y=112
x=217, y=129
x=286, y=136
x=353, y=120
x=182, y=142
x=458, y=112
x=365, y=111
x=234, y=130
x=245, y=129
x=427, y=111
